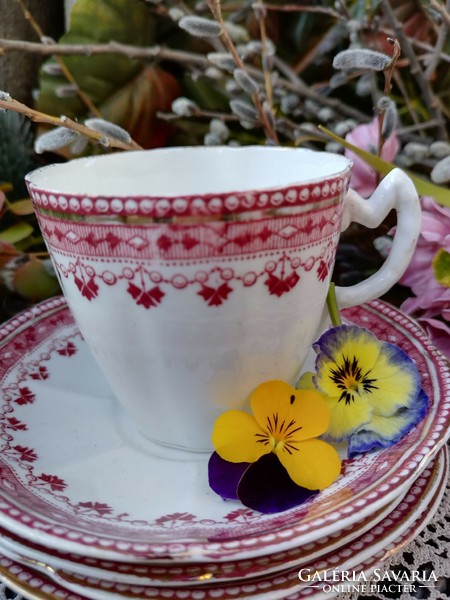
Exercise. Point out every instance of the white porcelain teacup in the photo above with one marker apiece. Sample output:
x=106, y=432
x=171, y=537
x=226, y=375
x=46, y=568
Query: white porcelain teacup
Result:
x=195, y=274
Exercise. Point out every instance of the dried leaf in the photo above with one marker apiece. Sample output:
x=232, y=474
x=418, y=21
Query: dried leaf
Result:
x=135, y=106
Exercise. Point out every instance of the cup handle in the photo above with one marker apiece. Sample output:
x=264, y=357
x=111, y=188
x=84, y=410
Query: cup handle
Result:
x=396, y=191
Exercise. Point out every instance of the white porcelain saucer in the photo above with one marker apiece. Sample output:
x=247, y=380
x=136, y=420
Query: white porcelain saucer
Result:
x=187, y=574
x=363, y=554
x=76, y=476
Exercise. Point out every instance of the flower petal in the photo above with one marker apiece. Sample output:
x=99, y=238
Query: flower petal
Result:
x=235, y=437
x=269, y=398
x=383, y=432
x=266, y=487
x=280, y=403
x=224, y=476
x=347, y=340
x=346, y=418
x=315, y=465
x=397, y=381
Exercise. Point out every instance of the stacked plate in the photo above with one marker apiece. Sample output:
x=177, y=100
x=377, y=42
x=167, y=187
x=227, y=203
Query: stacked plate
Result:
x=89, y=508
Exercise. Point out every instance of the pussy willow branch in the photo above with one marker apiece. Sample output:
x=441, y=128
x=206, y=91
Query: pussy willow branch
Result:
x=155, y=52
x=415, y=68
x=266, y=71
x=214, y=6
x=295, y=84
x=64, y=68
x=39, y=117
x=290, y=81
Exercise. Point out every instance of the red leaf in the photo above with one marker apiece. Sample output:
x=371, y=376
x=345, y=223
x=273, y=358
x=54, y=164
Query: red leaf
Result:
x=322, y=271
x=92, y=240
x=26, y=396
x=144, y=298
x=265, y=233
x=16, y=425
x=89, y=290
x=69, y=350
x=41, y=373
x=112, y=240
x=213, y=296
x=189, y=242
x=176, y=517
x=55, y=483
x=26, y=454
x=164, y=243
x=99, y=507
x=278, y=286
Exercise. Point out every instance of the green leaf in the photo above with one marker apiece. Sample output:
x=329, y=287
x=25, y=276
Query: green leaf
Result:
x=16, y=152
x=424, y=188
x=33, y=281
x=441, y=267
x=99, y=76
x=22, y=207
x=16, y=233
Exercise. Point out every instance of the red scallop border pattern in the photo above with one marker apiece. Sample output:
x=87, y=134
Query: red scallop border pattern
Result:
x=201, y=205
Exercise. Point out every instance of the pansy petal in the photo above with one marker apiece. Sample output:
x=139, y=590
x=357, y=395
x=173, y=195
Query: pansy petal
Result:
x=383, y=432
x=224, y=476
x=286, y=412
x=344, y=352
x=236, y=436
x=271, y=398
x=313, y=465
x=346, y=418
x=306, y=381
x=397, y=381
x=349, y=340
x=267, y=488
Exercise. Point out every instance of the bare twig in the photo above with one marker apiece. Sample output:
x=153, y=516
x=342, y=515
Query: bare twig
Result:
x=64, y=68
x=295, y=84
x=415, y=68
x=39, y=117
x=214, y=6
x=154, y=52
x=305, y=8
x=443, y=11
x=266, y=71
x=439, y=47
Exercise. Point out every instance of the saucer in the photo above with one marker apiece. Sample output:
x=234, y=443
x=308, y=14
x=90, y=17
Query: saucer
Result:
x=187, y=574
x=76, y=476
x=363, y=554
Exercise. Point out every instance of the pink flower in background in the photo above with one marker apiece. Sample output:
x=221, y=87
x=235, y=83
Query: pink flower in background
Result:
x=364, y=178
x=431, y=301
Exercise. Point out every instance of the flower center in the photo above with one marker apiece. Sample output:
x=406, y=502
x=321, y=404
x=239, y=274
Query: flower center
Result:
x=278, y=434
x=350, y=379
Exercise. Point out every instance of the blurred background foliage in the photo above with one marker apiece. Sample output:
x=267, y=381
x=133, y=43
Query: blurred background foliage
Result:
x=137, y=93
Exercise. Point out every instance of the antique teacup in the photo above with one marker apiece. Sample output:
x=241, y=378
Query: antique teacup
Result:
x=195, y=274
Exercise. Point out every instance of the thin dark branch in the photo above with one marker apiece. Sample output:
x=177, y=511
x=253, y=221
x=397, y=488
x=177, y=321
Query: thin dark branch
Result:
x=154, y=52
x=415, y=68
x=439, y=47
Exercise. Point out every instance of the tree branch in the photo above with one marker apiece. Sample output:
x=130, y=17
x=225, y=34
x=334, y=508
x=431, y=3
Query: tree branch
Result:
x=415, y=68
x=9, y=103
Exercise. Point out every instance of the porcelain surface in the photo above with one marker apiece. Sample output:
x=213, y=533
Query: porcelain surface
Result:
x=187, y=574
x=363, y=554
x=77, y=476
x=209, y=274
